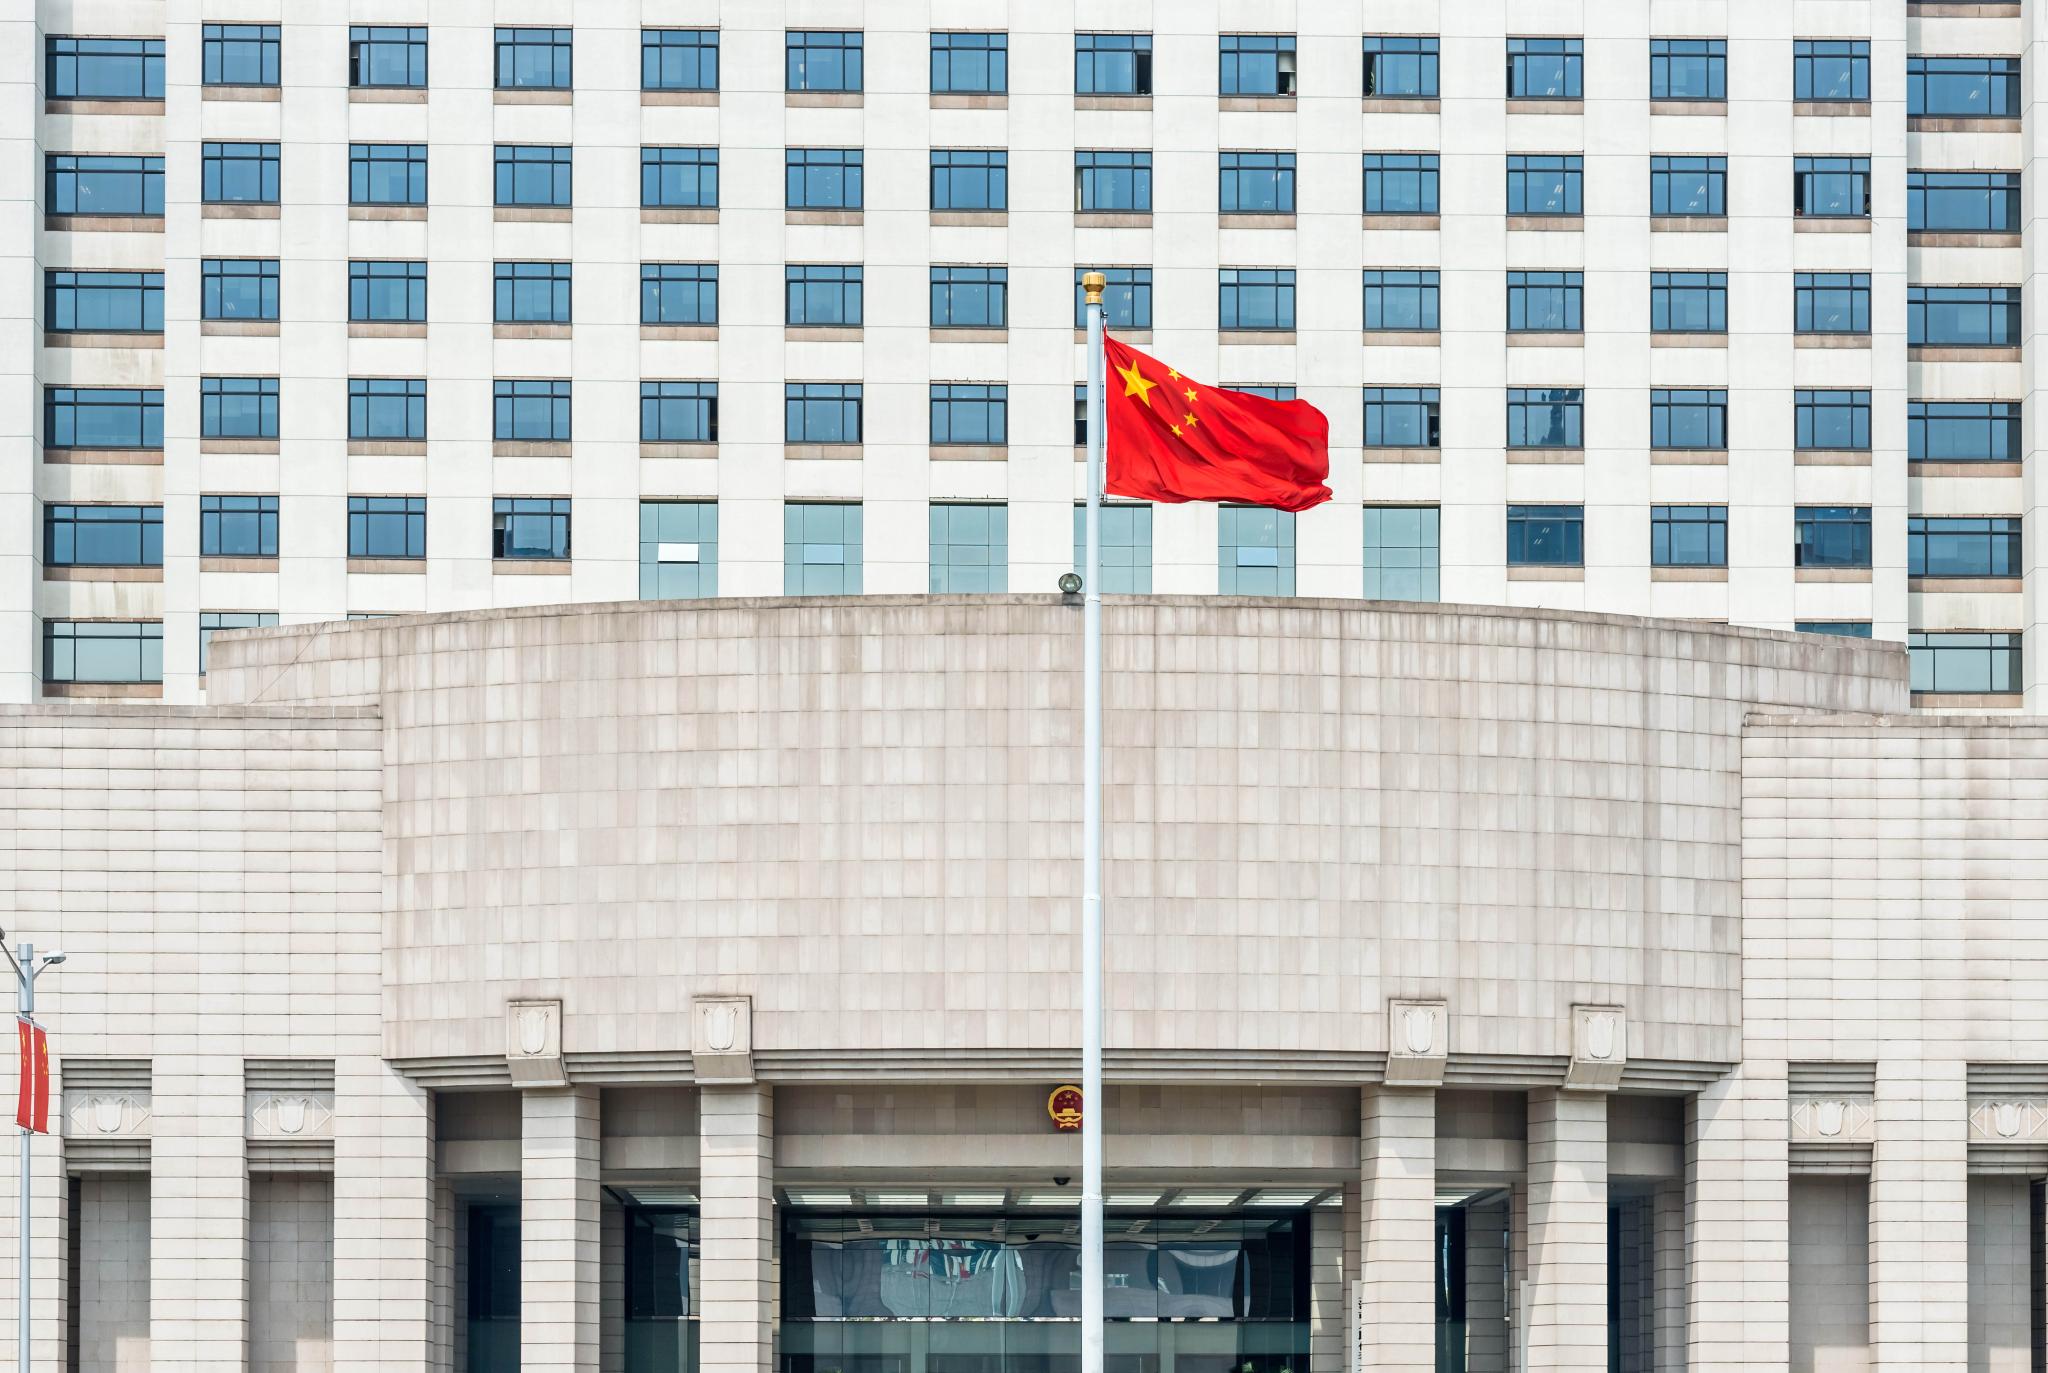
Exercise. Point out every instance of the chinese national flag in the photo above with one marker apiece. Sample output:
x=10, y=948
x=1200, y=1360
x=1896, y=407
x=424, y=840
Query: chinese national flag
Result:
x=1172, y=439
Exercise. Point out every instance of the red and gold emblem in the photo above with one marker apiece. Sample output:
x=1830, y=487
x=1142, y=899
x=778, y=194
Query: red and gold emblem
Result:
x=1064, y=1106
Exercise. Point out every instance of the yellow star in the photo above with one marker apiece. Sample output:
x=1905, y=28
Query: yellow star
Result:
x=1189, y=420
x=1172, y=375
x=1136, y=385
x=1191, y=395
x=1176, y=431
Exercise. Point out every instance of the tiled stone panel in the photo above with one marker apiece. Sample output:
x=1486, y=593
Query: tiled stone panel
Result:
x=291, y=1273
x=874, y=806
x=1830, y=1262
x=2001, y=1302
x=113, y=1274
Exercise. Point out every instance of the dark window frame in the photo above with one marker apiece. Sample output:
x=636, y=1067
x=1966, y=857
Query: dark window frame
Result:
x=1126, y=297
x=1839, y=405
x=1549, y=535
x=65, y=406
x=532, y=529
x=951, y=399
x=532, y=58
x=1963, y=316
x=1235, y=286
x=956, y=290
x=1811, y=57
x=1831, y=302
x=372, y=46
x=148, y=636
x=516, y=288
x=1100, y=169
x=1566, y=405
x=1667, y=53
x=694, y=282
x=364, y=273
x=1836, y=536
x=1238, y=171
x=1706, y=196
x=846, y=399
x=1994, y=543
x=682, y=52
x=222, y=45
x=371, y=520
x=1669, y=291
x=515, y=166
x=1688, y=412
x=1675, y=530
x=1999, y=84
x=1240, y=56
x=68, y=56
x=957, y=174
x=1554, y=301
x=824, y=178
x=516, y=401
x=64, y=174
x=1559, y=63
x=1945, y=188
x=1382, y=169
x=1815, y=188
x=840, y=68
x=1401, y=66
x=2004, y=439
x=64, y=289
x=368, y=396
x=216, y=272
x=218, y=420
x=365, y=160
x=136, y=524
x=1383, y=284
x=1385, y=403
x=1528, y=170
x=827, y=295
x=238, y=525
x=247, y=158
x=663, y=400
x=1101, y=57
x=994, y=62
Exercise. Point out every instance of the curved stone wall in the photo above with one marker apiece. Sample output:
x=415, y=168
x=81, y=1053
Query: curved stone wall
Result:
x=863, y=813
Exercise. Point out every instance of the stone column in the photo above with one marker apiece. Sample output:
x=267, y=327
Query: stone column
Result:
x=558, y=1229
x=1567, y=1231
x=1667, y=1222
x=383, y=1218
x=1327, y=1290
x=736, y=1131
x=1486, y=1293
x=1736, y=1233
x=1919, y=1218
x=198, y=1215
x=1397, y=1227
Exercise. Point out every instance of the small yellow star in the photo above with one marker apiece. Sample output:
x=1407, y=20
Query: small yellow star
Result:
x=1172, y=375
x=1189, y=420
x=1191, y=395
x=1176, y=431
x=1136, y=385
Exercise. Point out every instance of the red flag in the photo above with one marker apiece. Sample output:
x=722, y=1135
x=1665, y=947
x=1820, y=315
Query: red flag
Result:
x=25, y=1093
x=39, y=1109
x=1171, y=439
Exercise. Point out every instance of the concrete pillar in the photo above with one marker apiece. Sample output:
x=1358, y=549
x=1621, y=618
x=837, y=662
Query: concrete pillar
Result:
x=1486, y=1293
x=611, y=1290
x=558, y=1229
x=383, y=1218
x=1397, y=1220
x=1920, y=1218
x=441, y=1354
x=736, y=1132
x=198, y=1215
x=1567, y=1231
x=1667, y=1223
x=1327, y=1290
x=1736, y=1160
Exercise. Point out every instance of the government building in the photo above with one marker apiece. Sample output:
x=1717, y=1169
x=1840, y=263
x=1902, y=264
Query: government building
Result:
x=564, y=819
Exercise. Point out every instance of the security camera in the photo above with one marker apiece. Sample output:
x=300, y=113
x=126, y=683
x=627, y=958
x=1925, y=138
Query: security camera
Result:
x=1061, y=1181
x=1070, y=583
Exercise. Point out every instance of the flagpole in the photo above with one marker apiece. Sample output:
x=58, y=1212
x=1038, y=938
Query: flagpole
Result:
x=1093, y=1103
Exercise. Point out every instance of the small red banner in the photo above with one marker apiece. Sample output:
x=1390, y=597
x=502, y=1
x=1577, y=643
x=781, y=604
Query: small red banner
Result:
x=40, y=1107
x=32, y=1094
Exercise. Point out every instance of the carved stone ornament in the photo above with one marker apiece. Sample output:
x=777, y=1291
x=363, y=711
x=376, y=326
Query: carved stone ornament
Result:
x=1418, y=1042
x=1599, y=1048
x=722, y=1038
x=533, y=1043
x=1832, y=1120
x=290, y=1115
x=2008, y=1122
x=106, y=1115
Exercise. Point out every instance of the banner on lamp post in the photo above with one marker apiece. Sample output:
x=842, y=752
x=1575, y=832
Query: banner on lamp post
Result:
x=32, y=1092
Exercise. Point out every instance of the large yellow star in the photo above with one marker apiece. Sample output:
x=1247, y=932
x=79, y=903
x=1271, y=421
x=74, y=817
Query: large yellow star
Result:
x=1136, y=385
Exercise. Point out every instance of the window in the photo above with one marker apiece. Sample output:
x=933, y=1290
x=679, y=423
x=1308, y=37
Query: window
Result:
x=1689, y=536
x=1689, y=419
x=1831, y=69
x=103, y=68
x=970, y=63
x=1966, y=202
x=1963, y=431
x=1545, y=185
x=822, y=179
x=532, y=174
x=822, y=60
x=238, y=54
x=211, y=622
x=1831, y=536
x=1256, y=64
x=103, y=651
x=1112, y=64
x=531, y=292
x=1081, y=415
x=1124, y=550
x=1401, y=300
x=103, y=302
x=1254, y=551
x=970, y=413
x=1688, y=185
x=1546, y=418
x=387, y=292
x=387, y=56
x=679, y=293
x=821, y=412
x=1979, y=663
x=1831, y=302
x=1688, y=302
x=819, y=295
x=1546, y=302
x=1963, y=546
x=970, y=179
x=1832, y=419
x=80, y=184
x=1546, y=68
x=387, y=526
x=1126, y=298
x=1401, y=417
x=530, y=411
x=1256, y=183
x=103, y=535
x=238, y=173
x=678, y=550
x=1400, y=183
x=1846, y=629
x=970, y=297
x=821, y=549
x=1403, y=553
x=1267, y=392
x=530, y=527
x=238, y=407
x=387, y=408
x=238, y=526
x=533, y=59
x=1831, y=187
x=1113, y=182
x=1546, y=536
x=679, y=178
x=1255, y=298
x=970, y=549
x=387, y=173
x=1688, y=69
x=102, y=417
x=238, y=288
x=1963, y=316
x=679, y=412
x=1400, y=67
x=1963, y=87
x=679, y=59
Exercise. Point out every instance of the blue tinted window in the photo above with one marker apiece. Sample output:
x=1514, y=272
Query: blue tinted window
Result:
x=386, y=55
x=969, y=550
x=238, y=288
x=92, y=184
x=679, y=293
x=534, y=59
x=1124, y=547
x=532, y=174
x=821, y=412
x=1400, y=67
x=1113, y=182
x=823, y=295
x=238, y=407
x=102, y=417
x=238, y=173
x=1966, y=202
x=1831, y=187
x=238, y=526
x=1546, y=68
x=387, y=292
x=387, y=526
x=103, y=302
x=1689, y=419
x=531, y=292
x=1401, y=300
x=103, y=651
x=1831, y=69
x=1254, y=551
x=1963, y=431
x=1126, y=297
x=530, y=411
x=1256, y=64
x=1546, y=302
x=821, y=549
x=103, y=68
x=1403, y=553
x=1831, y=420
x=1545, y=185
x=679, y=59
x=822, y=60
x=1546, y=536
x=1400, y=183
x=1963, y=316
x=678, y=561
x=1112, y=64
x=970, y=413
x=1688, y=69
x=529, y=527
x=970, y=179
x=239, y=54
x=1963, y=87
x=387, y=173
x=822, y=178
x=1831, y=536
x=1401, y=417
x=1546, y=418
x=1963, y=546
x=1831, y=302
x=679, y=412
x=1688, y=302
x=1255, y=298
x=970, y=297
x=103, y=535
x=1256, y=183
x=387, y=408
x=1688, y=536
x=1688, y=185
x=970, y=63
x=1967, y=662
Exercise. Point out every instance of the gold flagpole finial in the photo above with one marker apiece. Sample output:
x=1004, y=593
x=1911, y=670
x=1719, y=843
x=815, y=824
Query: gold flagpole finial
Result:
x=1092, y=283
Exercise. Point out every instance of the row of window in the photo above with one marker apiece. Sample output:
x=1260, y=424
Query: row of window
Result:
x=831, y=60
x=834, y=295
x=977, y=413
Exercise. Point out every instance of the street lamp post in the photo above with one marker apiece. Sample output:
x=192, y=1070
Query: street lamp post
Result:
x=26, y=969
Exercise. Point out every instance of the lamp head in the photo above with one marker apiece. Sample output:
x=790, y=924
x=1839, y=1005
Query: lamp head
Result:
x=1070, y=583
x=50, y=959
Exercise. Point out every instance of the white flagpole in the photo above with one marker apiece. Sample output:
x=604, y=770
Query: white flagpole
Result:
x=1093, y=1103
